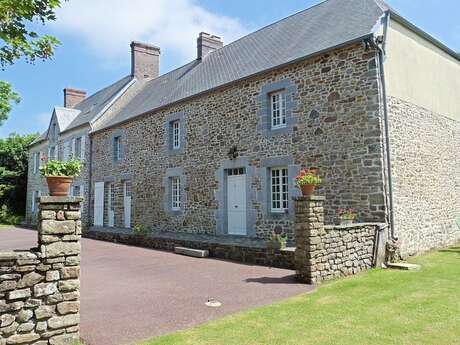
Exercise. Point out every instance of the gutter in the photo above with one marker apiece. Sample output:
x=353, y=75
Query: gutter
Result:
x=390, y=197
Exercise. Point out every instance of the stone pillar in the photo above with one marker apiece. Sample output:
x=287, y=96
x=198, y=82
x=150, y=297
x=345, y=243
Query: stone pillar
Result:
x=309, y=227
x=59, y=236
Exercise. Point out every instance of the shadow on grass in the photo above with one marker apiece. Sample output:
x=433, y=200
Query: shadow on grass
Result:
x=451, y=250
x=290, y=279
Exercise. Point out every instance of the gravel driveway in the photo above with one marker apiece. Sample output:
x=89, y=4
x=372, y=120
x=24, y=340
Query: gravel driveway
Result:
x=129, y=294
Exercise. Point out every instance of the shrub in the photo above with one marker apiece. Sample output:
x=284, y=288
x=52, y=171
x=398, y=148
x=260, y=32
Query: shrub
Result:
x=7, y=217
x=142, y=230
x=347, y=214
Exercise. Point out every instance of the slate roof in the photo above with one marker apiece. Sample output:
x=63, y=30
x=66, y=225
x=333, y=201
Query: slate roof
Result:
x=318, y=28
x=65, y=116
x=87, y=110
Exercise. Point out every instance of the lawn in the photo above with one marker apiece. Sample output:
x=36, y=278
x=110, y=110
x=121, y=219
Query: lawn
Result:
x=376, y=307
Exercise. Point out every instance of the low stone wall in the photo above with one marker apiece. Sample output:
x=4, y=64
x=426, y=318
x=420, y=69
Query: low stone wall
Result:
x=328, y=252
x=39, y=289
x=246, y=254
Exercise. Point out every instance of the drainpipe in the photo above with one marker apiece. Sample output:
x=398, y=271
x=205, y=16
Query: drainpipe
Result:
x=381, y=57
x=90, y=177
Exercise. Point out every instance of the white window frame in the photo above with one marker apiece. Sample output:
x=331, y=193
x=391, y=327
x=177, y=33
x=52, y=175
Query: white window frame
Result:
x=279, y=189
x=78, y=147
x=175, y=193
x=35, y=195
x=36, y=159
x=278, y=109
x=176, y=134
x=53, y=149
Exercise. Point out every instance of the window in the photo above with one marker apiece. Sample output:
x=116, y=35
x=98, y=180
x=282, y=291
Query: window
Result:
x=52, y=153
x=78, y=150
x=76, y=191
x=279, y=189
x=117, y=148
x=36, y=159
x=278, y=109
x=175, y=194
x=175, y=134
x=54, y=132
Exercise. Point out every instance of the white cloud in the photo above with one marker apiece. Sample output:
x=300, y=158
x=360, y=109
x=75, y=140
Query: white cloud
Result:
x=107, y=27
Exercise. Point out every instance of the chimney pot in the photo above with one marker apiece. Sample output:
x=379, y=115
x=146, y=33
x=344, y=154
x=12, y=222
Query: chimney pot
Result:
x=145, y=60
x=73, y=96
x=207, y=43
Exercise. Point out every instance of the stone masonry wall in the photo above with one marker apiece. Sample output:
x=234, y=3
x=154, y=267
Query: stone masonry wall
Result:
x=328, y=252
x=337, y=127
x=39, y=289
x=425, y=149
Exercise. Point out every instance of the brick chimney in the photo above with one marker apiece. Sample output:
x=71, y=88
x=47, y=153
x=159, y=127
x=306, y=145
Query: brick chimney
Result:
x=145, y=60
x=207, y=43
x=73, y=96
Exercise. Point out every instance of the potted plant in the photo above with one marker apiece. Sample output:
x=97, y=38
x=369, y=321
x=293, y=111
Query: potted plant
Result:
x=347, y=216
x=307, y=181
x=59, y=175
x=277, y=241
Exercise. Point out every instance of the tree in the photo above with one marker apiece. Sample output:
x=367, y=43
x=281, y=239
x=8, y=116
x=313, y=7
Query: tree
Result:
x=19, y=41
x=7, y=97
x=13, y=171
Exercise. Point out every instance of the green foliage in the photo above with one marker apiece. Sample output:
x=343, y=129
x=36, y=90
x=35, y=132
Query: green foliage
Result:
x=7, y=98
x=307, y=177
x=347, y=213
x=19, y=41
x=7, y=217
x=70, y=168
x=277, y=240
x=142, y=230
x=13, y=171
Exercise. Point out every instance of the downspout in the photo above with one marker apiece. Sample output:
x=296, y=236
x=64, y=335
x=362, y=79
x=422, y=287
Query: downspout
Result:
x=90, y=177
x=381, y=57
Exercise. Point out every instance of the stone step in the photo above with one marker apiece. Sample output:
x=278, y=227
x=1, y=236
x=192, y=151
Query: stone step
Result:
x=197, y=253
x=403, y=266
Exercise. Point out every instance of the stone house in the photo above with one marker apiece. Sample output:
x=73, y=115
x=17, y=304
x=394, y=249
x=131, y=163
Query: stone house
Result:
x=348, y=86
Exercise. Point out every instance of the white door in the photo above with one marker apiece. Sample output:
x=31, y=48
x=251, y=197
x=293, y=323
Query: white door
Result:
x=110, y=206
x=99, y=204
x=127, y=203
x=236, y=204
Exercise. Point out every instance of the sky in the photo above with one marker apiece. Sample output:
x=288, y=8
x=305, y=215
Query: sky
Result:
x=95, y=37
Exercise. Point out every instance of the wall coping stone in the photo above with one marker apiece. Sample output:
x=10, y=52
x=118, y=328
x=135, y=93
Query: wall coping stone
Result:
x=309, y=198
x=351, y=226
x=60, y=199
x=7, y=256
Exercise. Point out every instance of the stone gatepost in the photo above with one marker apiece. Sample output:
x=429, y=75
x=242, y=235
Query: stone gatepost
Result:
x=309, y=228
x=59, y=236
x=40, y=287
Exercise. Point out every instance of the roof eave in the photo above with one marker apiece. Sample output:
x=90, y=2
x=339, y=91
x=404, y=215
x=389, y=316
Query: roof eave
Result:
x=305, y=57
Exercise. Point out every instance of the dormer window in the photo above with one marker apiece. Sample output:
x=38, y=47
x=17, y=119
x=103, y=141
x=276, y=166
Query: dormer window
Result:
x=54, y=132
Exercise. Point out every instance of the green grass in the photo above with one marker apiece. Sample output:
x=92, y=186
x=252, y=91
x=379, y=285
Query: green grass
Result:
x=376, y=307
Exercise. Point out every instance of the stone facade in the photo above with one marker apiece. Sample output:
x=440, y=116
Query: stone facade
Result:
x=328, y=252
x=39, y=289
x=38, y=183
x=335, y=118
x=425, y=152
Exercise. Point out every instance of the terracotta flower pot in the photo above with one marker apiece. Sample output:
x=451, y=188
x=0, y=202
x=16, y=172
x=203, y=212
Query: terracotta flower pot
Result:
x=307, y=189
x=59, y=185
